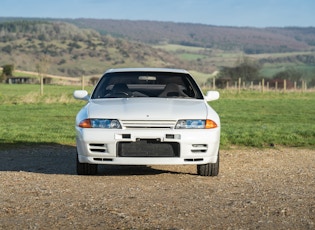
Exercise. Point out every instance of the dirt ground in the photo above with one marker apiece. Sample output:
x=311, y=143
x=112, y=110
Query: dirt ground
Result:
x=256, y=189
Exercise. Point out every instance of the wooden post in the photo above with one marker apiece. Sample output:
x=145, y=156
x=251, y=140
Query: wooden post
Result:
x=41, y=84
x=239, y=84
x=294, y=85
x=251, y=85
x=304, y=86
x=82, y=82
x=284, y=85
x=213, y=83
x=263, y=85
x=267, y=85
x=276, y=86
x=42, y=67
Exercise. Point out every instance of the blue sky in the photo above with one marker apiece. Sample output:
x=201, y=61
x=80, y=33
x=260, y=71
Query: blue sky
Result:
x=254, y=13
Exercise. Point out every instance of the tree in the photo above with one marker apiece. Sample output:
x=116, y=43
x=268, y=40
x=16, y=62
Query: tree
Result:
x=290, y=74
x=312, y=83
x=245, y=68
x=7, y=49
x=7, y=71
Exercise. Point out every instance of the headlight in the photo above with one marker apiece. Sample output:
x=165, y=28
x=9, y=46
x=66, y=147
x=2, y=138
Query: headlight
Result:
x=100, y=123
x=196, y=124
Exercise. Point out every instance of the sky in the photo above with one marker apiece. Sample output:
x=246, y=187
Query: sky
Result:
x=241, y=13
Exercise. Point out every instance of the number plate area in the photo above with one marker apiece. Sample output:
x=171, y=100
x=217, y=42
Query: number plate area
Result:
x=148, y=148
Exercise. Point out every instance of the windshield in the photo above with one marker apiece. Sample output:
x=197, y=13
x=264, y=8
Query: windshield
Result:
x=146, y=84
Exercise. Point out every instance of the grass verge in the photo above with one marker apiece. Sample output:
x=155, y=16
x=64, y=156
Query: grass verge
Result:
x=248, y=118
x=262, y=120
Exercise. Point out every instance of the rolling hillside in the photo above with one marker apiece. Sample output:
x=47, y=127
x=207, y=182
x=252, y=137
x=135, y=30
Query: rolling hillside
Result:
x=249, y=40
x=64, y=49
x=76, y=47
x=246, y=39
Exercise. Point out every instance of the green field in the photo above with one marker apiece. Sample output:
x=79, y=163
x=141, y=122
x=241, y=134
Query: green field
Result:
x=268, y=119
x=248, y=118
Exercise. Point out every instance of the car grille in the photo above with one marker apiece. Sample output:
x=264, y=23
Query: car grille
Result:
x=148, y=148
x=169, y=124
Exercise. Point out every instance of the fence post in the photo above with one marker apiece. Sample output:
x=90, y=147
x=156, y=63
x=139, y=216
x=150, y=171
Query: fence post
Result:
x=284, y=85
x=213, y=83
x=41, y=84
x=276, y=86
x=239, y=84
x=263, y=85
x=304, y=86
x=82, y=82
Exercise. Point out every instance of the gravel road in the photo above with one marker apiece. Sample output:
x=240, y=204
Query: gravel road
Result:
x=256, y=189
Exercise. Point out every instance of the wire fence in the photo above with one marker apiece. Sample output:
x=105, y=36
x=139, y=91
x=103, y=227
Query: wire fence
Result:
x=262, y=86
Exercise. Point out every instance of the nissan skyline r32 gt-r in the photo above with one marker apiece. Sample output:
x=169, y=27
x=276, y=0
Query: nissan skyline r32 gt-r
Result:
x=147, y=116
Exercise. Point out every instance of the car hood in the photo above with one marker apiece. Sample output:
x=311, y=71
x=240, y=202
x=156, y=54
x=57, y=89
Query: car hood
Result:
x=148, y=109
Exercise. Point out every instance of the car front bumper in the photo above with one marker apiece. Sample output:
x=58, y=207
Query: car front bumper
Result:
x=147, y=146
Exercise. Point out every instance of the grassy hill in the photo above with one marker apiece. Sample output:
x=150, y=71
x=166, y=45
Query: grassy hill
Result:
x=64, y=49
x=76, y=47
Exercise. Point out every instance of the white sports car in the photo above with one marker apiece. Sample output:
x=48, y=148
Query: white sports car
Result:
x=147, y=116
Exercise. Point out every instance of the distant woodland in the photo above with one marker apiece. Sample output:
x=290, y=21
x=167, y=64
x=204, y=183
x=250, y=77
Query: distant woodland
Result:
x=250, y=40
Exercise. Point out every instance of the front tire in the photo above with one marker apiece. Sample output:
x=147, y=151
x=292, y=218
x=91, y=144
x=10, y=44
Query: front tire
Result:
x=85, y=168
x=210, y=169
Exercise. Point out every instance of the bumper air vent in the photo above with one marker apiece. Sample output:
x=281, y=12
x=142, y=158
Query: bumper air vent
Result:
x=199, y=148
x=98, y=148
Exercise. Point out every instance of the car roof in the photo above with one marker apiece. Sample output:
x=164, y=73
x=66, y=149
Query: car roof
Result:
x=168, y=70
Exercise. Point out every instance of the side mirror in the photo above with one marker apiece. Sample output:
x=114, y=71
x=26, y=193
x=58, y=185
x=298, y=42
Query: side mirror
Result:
x=212, y=96
x=81, y=95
